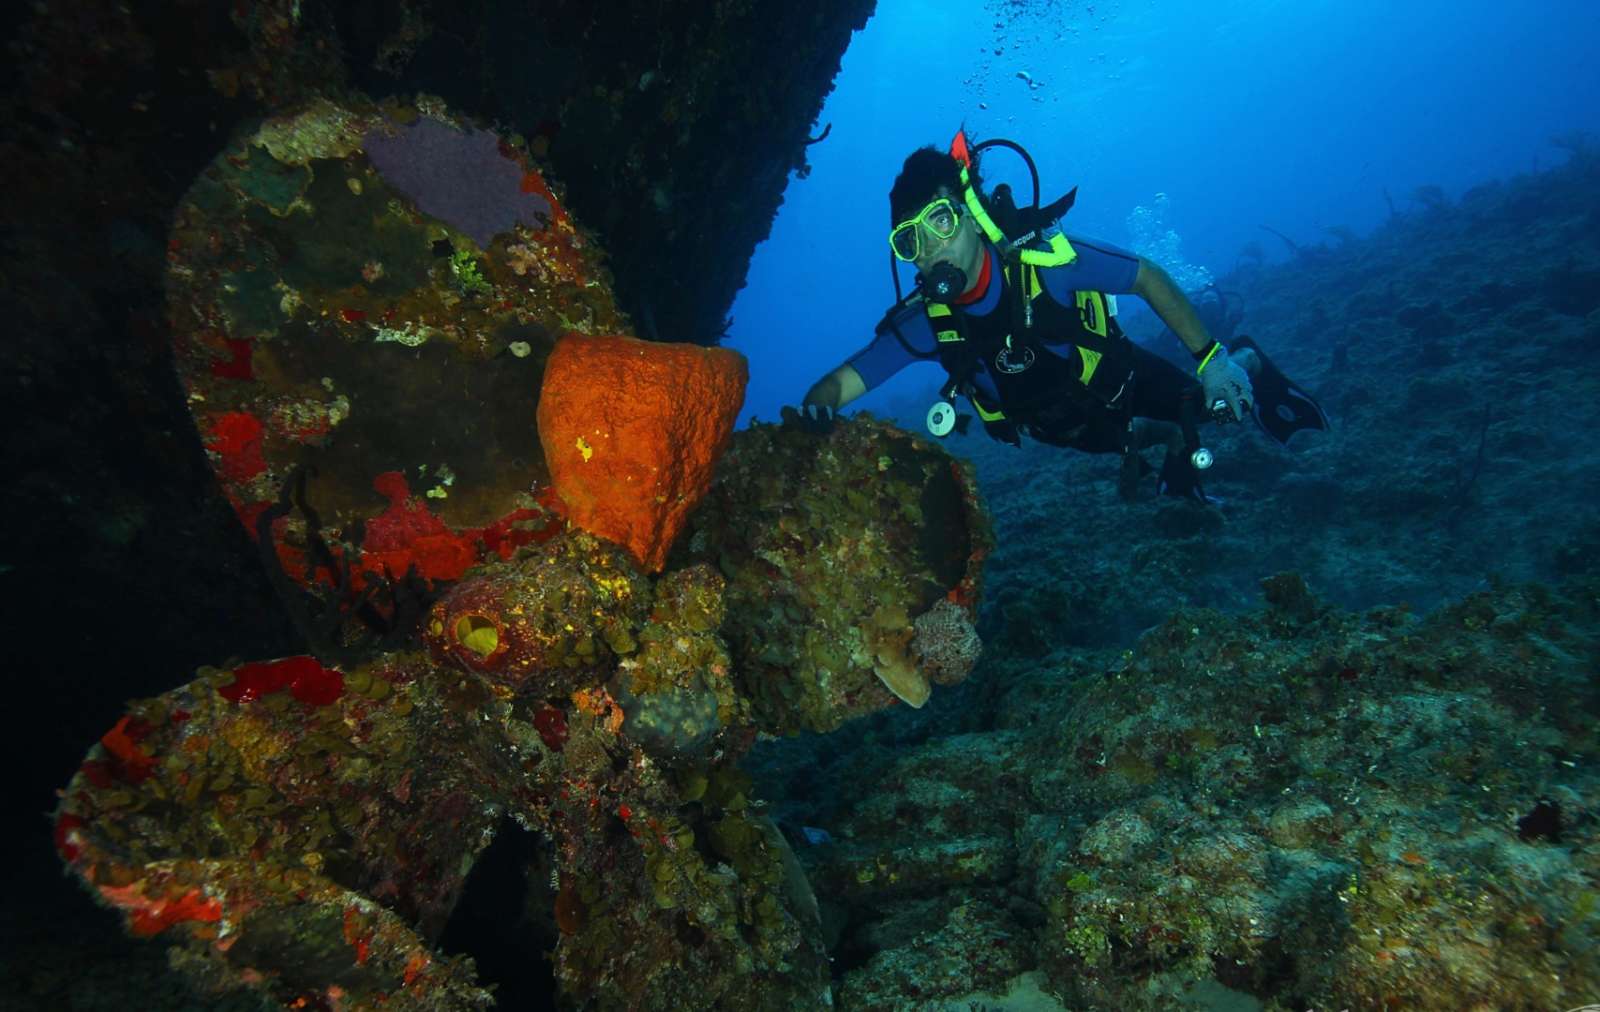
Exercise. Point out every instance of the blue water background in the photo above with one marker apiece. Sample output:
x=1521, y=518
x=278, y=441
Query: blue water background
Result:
x=1296, y=115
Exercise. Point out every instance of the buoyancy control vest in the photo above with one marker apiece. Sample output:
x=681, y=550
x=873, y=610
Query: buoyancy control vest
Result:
x=1047, y=393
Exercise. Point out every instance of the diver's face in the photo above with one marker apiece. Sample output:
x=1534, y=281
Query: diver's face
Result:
x=962, y=249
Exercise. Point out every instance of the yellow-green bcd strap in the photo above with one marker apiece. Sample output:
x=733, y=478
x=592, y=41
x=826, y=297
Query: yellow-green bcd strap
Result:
x=1060, y=252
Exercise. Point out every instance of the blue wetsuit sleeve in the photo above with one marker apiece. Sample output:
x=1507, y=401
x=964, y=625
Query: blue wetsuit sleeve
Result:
x=888, y=353
x=1100, y=267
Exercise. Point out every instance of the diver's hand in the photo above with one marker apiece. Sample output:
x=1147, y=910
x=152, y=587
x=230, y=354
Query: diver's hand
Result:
x=817, y=419
x=1226, y=385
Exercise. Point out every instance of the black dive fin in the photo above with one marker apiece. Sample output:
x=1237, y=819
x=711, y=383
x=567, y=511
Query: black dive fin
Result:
x=1281, y=407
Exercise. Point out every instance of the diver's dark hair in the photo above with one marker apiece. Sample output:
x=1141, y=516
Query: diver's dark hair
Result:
x=925, y=170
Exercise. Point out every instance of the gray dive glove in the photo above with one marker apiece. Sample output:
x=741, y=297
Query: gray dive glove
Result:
x=1226, y=384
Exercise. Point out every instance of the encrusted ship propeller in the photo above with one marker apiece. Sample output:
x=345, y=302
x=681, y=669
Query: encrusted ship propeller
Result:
x=541, y=577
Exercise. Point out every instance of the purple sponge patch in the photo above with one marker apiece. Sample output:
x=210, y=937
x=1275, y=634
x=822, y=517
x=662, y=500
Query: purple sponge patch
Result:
x=457, y=176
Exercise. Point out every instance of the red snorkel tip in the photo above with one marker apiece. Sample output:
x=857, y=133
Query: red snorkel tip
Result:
x=959, y=149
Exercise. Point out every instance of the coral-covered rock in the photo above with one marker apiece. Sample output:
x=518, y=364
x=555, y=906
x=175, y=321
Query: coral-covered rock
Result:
x=1349, y=811
x=953, y=947
x=306, y=832
x=551, y=622
x=631, y=433
x=576, y=618
x=711, y=912
x=853, y=564
x=240, y=810
x=678, y=690
x=364, y=297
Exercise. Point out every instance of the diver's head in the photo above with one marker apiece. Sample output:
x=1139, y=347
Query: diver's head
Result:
x=931, y=227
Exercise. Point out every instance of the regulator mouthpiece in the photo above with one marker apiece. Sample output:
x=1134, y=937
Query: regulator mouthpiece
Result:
x=944, y=283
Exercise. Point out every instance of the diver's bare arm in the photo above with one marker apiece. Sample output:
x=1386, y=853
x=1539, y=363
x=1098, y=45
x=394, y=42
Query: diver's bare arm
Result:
x=1154, y=286
x=836, y=389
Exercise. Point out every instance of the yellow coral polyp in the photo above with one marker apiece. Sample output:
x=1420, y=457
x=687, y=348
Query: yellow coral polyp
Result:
x=478, y=634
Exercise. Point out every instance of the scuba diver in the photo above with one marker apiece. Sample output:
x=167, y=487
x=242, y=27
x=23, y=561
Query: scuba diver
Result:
x=1023, y=319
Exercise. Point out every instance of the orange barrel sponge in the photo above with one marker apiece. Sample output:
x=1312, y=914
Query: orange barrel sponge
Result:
x=632, y=430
